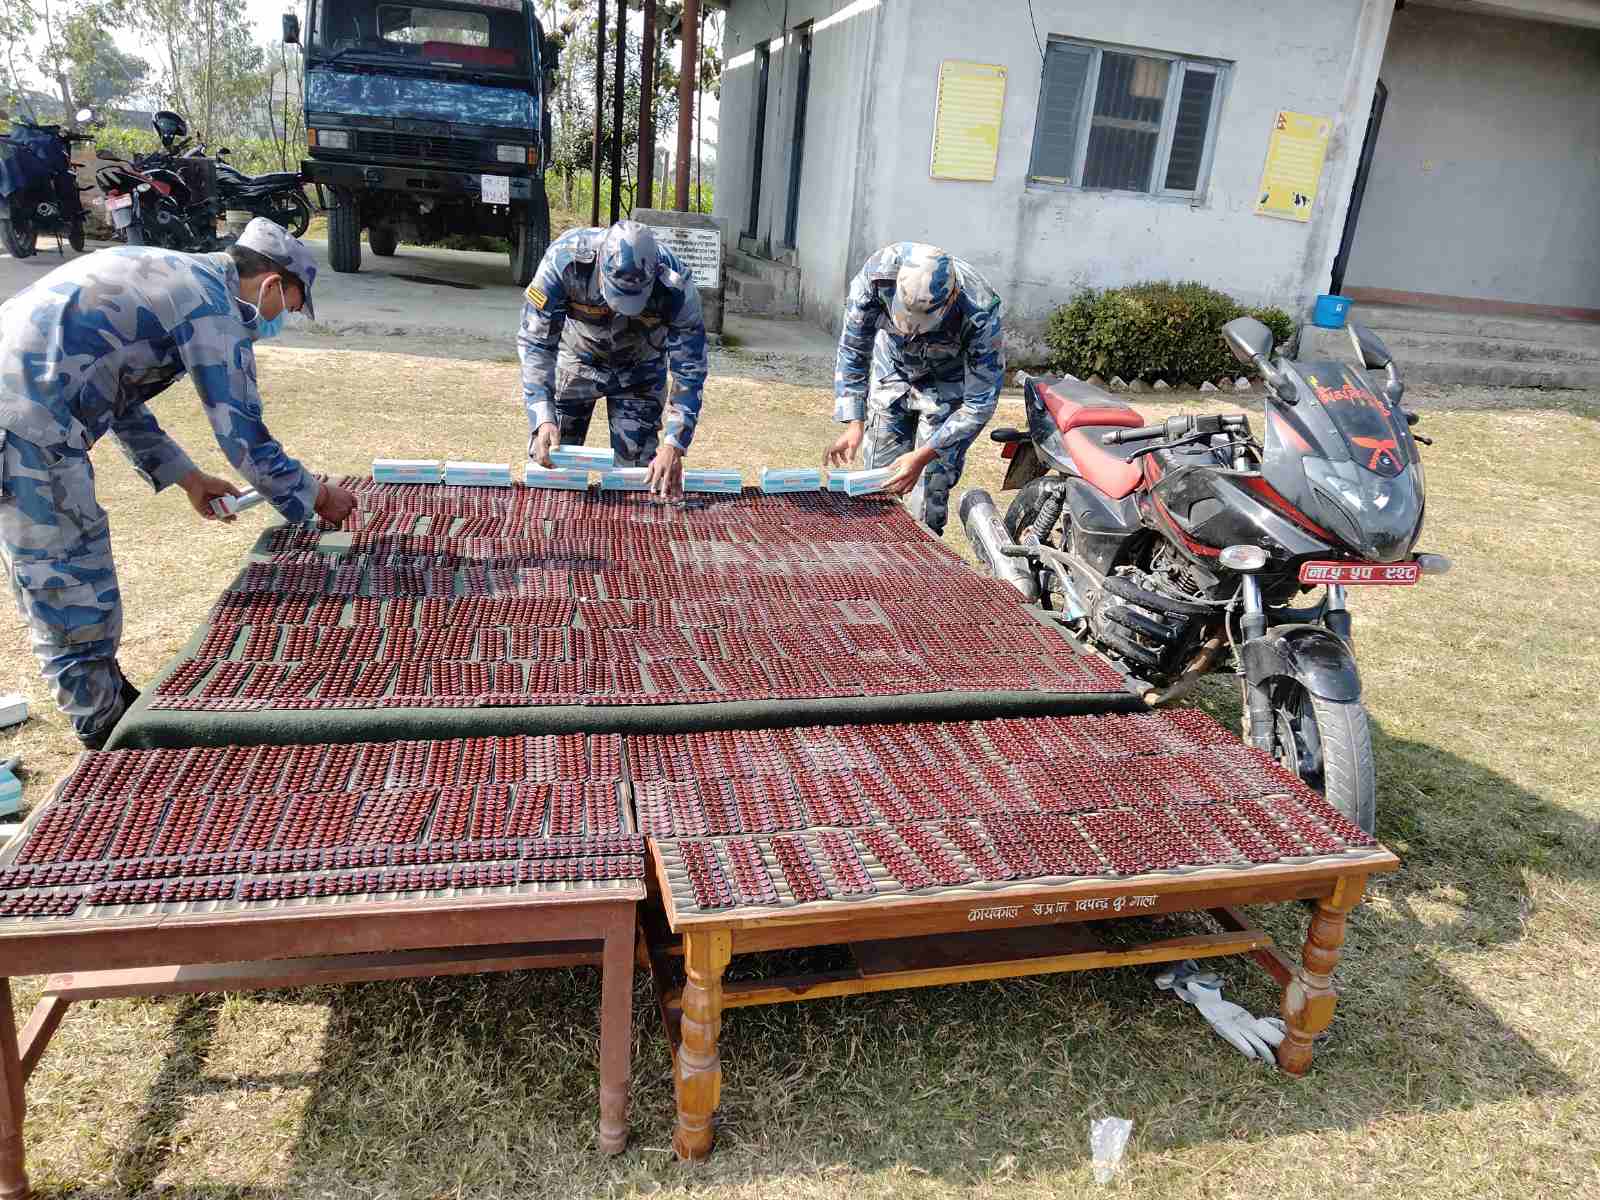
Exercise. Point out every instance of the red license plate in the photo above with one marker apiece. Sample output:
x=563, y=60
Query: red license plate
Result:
x=1351, y=574
x=118, y=201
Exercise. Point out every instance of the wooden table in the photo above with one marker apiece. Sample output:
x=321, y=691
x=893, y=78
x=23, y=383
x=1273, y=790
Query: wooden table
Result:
x=959, y=935
x=173, y=871
x=317, y=944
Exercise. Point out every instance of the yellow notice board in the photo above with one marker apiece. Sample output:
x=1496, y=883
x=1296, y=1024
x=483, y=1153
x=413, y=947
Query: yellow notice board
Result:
x=966, y=121
x=1295, y=152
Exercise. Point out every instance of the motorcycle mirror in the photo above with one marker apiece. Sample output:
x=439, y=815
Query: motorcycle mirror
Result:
x=224, y=152
x=291, y=29
x=1369, y=348
x=105, y=155
x=1248, y=339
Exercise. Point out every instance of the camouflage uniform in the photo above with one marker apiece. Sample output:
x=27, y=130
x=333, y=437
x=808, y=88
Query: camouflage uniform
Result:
x=927, y=328
x=81, y=352
x=606, y=313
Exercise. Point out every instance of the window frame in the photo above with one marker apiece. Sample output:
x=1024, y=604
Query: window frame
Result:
x=1160, y=163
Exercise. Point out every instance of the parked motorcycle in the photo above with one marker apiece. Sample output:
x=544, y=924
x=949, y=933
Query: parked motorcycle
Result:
x=39, y=186
x=276, y=195
x=166, y=198
x=1179, y=548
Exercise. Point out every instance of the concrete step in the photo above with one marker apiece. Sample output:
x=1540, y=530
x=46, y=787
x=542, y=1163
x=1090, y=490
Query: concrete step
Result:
x=748, y=293
x=1490, y=372
x=1409, y=345
x=762, y=287
x=1540, y=330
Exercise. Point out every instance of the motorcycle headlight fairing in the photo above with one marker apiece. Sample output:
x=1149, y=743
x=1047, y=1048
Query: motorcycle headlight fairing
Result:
x=1376, y=515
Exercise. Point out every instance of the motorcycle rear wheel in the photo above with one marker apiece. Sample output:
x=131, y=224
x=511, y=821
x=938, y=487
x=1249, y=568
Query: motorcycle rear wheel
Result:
x=75, y=235
x=293, y=211
x=1327, y=745
x=19, y=236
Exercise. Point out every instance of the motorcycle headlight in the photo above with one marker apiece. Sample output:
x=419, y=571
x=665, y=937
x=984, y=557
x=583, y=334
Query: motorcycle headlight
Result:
x=1377, y=516
x=331, y=139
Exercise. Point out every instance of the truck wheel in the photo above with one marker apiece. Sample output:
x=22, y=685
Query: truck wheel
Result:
x=383, y=240
x=531, y=237
x=344, y=234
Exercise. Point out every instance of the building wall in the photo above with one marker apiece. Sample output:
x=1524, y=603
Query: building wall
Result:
x=1038, y=244
x=837, y=103
x=1486, y=174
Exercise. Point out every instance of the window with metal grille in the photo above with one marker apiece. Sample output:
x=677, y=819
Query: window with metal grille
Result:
x=1126, y=120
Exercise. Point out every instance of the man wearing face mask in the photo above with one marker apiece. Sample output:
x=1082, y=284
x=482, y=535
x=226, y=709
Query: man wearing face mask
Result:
x=82, y=351
x=924, y=327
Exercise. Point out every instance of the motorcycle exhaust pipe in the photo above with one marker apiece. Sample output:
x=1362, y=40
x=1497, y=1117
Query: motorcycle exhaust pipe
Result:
x=988, y=536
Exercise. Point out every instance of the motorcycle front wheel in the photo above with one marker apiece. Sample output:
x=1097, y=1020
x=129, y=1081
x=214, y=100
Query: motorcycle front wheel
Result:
x=75, y=235
x=19, y=236
x=1327, y=744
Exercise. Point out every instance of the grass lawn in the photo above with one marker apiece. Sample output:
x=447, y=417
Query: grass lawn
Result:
x=1465, y=1060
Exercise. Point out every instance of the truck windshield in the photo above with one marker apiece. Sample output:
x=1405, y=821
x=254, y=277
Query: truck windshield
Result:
x=487, y=36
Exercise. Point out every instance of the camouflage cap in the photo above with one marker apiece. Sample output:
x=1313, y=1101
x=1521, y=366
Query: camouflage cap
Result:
x=628, y=265
x=924, y=289
x=270, y=240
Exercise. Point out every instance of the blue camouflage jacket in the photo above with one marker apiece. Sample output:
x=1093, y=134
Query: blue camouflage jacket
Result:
x=85, y=348
x=968, y=347
x=567, y=326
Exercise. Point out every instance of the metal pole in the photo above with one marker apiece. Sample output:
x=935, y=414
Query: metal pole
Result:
x=619, y=80
x=688, y=81
x=647, y=105
x=599, y=112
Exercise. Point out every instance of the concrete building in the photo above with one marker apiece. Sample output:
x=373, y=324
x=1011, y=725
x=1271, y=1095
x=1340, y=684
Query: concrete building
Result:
x=1131, y=145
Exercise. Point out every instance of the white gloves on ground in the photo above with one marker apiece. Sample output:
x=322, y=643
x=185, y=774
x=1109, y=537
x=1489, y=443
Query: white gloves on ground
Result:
x=1254, y=1037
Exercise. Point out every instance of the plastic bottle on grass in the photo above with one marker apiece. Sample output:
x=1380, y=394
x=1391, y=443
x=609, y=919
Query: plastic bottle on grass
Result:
x=1108, y=1137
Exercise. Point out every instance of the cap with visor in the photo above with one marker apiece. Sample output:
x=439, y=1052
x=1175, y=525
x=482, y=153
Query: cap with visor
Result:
x=270, y=240
x=924, y=290
x=629, y=263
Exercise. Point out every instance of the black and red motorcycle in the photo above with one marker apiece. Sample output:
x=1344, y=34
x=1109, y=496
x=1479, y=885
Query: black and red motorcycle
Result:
x=166, y=198
x=1182, y=548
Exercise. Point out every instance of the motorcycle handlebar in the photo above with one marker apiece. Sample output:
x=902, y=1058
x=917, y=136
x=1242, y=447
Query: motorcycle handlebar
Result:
x=1180, y=427
x=1143, y=433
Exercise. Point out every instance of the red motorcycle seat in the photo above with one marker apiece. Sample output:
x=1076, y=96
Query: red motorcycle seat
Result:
x=1074, y=404
x=1099, y=466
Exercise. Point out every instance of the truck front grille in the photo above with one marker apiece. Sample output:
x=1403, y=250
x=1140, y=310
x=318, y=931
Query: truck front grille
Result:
x=416, y=147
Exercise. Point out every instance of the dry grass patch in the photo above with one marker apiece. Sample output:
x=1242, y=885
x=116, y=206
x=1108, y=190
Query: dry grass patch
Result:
x=1466, y=1057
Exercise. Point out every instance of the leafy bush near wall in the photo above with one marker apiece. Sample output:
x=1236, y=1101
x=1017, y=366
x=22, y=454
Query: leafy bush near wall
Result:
x=1151, y=331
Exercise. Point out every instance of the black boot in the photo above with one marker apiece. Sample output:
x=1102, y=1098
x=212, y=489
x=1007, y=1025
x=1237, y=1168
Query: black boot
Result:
x=129, y=692
x=96, y=739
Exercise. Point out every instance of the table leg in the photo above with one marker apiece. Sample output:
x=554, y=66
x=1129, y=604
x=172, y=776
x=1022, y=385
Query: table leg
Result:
x=698, y=1069
x=616, y=1029
x=13, y=1173
x=1309, y=998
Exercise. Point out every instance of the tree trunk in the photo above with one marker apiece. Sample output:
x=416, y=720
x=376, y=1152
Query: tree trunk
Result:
x=647, y=104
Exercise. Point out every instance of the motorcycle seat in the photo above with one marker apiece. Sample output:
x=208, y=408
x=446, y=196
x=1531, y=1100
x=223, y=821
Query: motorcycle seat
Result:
x=1074, y=404
x=275, y=179
x=1104, y=467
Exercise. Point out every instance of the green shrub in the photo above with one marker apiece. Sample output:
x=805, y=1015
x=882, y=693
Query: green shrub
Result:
x=1152, y=331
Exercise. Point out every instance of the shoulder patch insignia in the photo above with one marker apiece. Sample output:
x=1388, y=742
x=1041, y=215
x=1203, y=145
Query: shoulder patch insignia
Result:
x=535, y=297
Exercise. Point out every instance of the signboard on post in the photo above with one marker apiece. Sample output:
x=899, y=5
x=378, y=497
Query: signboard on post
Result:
x=1293, y=170
x=695, y=240
x=698, y=249
x=966, y=120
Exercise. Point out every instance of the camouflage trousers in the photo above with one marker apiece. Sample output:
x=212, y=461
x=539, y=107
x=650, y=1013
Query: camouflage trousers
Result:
x=56, y=542
x=901, y=418
x=633, y=410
